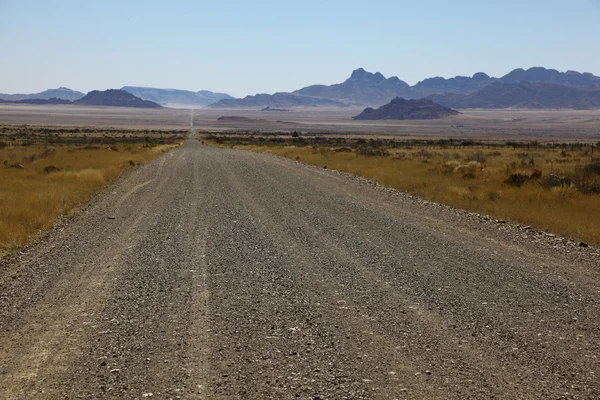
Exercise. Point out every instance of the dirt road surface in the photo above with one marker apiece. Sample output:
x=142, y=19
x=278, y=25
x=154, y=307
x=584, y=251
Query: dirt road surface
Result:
x=221, y=274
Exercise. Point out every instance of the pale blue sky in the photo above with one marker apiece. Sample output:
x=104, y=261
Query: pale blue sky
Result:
x=248, y=47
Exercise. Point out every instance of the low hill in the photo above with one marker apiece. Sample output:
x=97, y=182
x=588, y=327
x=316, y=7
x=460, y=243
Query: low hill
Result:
x=524, y=95
x=115, y=98
x=60, y=93
x=277, y=100
x=175, y=97
x=401, y=109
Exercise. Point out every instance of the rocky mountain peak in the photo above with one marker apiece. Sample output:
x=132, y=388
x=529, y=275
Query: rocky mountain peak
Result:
x=481, y=76
x=364, y=76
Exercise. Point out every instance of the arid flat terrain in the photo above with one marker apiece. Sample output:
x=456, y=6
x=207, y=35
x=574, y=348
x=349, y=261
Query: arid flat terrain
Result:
x=224, y=274
x=492, y=124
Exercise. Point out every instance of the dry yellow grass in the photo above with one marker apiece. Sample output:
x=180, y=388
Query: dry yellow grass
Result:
x=55, y=179
x=455, y=177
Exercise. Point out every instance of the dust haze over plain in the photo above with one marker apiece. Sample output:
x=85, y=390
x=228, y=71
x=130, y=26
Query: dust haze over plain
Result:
x=267, y=46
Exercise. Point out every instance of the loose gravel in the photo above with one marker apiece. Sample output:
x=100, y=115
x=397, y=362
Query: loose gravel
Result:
x=222, y=274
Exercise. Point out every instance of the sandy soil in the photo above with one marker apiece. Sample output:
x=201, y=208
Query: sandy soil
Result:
x=491, y=124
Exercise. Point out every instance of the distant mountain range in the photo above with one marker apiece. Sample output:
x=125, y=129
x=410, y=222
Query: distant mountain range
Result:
x=110, y=98
x=364, y=88
x=539, y=74
x=279, y=100
x=536, y=87
x=60, y=93
x=537, y=95
x=166, y=97
x=401, y=109
x=115, y=98
x=176, y=98
x=52, y=100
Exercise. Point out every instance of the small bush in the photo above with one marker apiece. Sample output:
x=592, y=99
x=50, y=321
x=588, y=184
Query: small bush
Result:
x=493, y=195
x=51, y=168
x=589, y=187
x=477, y=156
x=470, y=170
x=592, y=168
x=47, y=153
x=449, y=167
x=552, y=181
x=424, y=154
x=536, y=174
x=15, y=166
x=587, y=178
x=516, y=179
x=343, y=150
x=371, y=151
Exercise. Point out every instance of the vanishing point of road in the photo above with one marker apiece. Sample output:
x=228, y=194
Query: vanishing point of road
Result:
x=221, y=274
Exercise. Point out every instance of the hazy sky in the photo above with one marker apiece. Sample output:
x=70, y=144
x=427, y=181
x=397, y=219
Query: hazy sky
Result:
x=248, y=47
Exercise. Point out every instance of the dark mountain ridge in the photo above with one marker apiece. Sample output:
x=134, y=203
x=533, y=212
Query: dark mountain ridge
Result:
x=401, y=109
x=536, y=95
x=115, y=98
x=53, y=100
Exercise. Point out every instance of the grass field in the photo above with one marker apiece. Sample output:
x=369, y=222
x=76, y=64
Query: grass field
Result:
x=42, y=182
x=551, y=187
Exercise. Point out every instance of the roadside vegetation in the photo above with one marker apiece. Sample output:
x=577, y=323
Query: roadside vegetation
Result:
x=550, y=186
x=47, y=172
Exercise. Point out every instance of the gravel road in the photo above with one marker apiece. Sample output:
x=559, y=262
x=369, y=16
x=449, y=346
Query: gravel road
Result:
x=221, y=274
